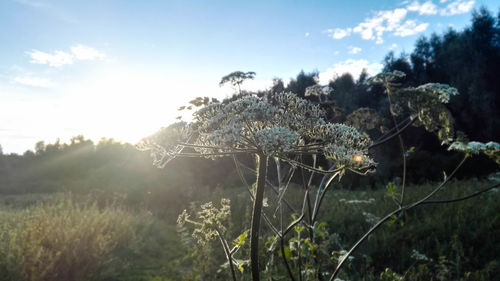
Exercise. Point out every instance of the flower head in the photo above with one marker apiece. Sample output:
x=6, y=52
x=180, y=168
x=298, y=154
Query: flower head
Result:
x=274, y=125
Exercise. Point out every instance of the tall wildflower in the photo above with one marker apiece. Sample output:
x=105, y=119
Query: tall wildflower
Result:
x=280, y=126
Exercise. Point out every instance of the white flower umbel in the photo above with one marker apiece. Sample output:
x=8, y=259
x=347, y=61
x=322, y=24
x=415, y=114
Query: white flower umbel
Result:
x=491, y=149
x=279, y=125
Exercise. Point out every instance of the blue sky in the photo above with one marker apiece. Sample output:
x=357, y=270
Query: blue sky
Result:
x=120, y=69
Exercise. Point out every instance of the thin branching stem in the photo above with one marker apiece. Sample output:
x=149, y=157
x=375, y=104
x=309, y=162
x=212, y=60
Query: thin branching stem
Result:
x=274, y=188
x=320, y=195
x=390, y=215
x=383, y=139
x=229, y=257
x=401, y=145
x=282, y=245
x=287, y=266
x=249, y=189
x=312, y=169
x=461, y=198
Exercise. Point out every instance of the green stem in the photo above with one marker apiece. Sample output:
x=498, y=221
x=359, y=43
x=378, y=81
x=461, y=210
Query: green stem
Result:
x=227, y=251
x=261, y=163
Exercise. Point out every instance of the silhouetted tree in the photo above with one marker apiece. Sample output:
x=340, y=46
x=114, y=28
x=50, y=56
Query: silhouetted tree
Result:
x=236, y=78
x=301, y=82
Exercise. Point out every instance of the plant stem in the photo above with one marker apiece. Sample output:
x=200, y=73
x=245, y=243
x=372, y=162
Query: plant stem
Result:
x=261, y=163
x=227, y=251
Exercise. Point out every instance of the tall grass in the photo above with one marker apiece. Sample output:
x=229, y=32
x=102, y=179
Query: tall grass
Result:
x=65, y=240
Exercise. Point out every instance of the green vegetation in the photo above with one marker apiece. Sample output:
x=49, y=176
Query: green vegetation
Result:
x=86, y=211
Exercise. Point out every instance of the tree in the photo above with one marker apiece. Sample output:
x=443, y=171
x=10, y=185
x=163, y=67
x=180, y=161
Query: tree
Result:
x=278, y=86
x=343, y=87
x=237, y=78
x=303, y=80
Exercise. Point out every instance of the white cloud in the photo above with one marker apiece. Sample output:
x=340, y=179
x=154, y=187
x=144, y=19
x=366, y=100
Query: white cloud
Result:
x=393, y=46
x=383, y=21
x=339, y=33
x=427, y=8
x=410, y=27
x=57, y=59
x=336, y=53
x=81, y=52
x=307, y=34
x=457, y=7
x=33, y=81
x=354, y=50
x=396, y=21
x=349, y=66
x=60, y=58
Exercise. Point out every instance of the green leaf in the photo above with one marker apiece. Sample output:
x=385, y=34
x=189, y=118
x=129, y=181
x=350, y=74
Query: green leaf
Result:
x=288, y=253
x=299, y=229
x=392, y=220
x=240, y=266
x=241, y=239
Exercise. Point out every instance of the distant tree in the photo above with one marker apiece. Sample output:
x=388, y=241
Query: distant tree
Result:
x=303, y=80
x=401, y=63
x=40, y=148
x=237, y=78
x=467, y=60
x=343, y=87
x=278, y=86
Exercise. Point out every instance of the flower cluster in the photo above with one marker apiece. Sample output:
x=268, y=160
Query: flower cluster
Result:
x=443, y=92
x=165, y=144
x=276, y=139
x=387, y=77
x=344, y=144
x=318, y=91
x=427, y=104
x=491, y=149
x=209, y=220
x=248, y=124
x=272, y=125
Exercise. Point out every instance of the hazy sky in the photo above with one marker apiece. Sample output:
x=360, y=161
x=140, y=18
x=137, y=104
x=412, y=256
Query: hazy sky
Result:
x=120, y=69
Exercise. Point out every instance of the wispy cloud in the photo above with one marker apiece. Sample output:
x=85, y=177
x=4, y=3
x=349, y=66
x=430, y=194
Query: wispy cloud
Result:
x=60, y=58
x=426, y=8
x=33, y=81
x=307, y=34
x=354, y=50
x=339, y=33
x=396, y=21
x=351, y=66
x=457, y=7
x=56, y=59
x=81, y=52
x=410, y=27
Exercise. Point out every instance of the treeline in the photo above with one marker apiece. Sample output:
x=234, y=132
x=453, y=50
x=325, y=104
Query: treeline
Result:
x=110, y=171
